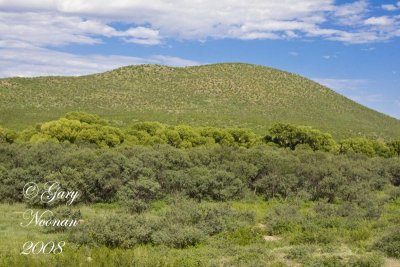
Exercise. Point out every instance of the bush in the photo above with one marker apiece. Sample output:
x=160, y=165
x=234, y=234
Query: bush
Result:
x=63, y=213
x=183, y=223
x=366, y=260
x=288, y=135
x=390, y=244
x=7, y=136
x=138, y=194
x=282, y=219
x=301, y=252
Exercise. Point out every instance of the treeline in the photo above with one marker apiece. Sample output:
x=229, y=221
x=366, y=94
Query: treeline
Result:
x=137, y=176
x=82, y=128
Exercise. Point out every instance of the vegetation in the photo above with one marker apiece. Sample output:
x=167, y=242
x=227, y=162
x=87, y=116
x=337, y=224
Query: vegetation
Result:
x=83, y=128
x=155, y=192
x=220, y=95
x=216, y=205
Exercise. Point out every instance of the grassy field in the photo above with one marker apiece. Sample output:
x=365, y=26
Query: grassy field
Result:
x=251, y=245
x=218, y=95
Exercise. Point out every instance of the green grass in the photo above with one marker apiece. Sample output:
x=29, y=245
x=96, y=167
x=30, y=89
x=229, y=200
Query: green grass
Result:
x=243, y=247
x=219, y=95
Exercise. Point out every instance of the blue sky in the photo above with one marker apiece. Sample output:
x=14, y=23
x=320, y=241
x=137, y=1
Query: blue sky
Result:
x=350, y=46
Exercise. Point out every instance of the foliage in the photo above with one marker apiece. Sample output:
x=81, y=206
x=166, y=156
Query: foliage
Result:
x=87, y=129
x=7, y=136
x=390, y=244
x=183, y=223
x=395, y=146
x=288, y=135
x=366, y=146
x=221, y=95
x=138, y=175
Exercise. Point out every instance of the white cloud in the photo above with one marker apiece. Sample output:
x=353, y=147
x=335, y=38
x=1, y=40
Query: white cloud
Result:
x=342, y=84
x=380, y=21
x=33, y=61
x=294, y=54
x=39, y=26
x=351, y=13
x=390, y=7
x=187, y=19
x=43, y=29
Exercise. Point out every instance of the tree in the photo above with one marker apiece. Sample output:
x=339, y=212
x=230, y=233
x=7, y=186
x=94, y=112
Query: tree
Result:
x=75, y=131
x=220, y=136
x=243, y=137
x=357, y=145
x=85, y=117
x=288, y=135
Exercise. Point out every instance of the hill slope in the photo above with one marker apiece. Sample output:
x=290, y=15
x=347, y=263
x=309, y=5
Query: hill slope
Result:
x=220, y=95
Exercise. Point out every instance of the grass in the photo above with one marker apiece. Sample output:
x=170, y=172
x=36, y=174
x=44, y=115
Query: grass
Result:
x=219, y=95
x=243, y=247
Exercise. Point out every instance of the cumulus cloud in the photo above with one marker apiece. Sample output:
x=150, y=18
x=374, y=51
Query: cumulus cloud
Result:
x=34, y=29
x=24, y=60
x=43, y=29
x=81, y=21
x=352, y=13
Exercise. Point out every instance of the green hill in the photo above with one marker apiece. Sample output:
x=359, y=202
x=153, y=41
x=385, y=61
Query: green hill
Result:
x=219, y=95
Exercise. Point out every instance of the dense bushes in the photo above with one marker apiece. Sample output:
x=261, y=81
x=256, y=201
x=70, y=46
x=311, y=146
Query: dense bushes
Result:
x=75, y=131
x=390, y=244
x=323, y=223
x=368, y=147
x=288, y=135
x=82, y=128
x=139, y=175
x=182, y=223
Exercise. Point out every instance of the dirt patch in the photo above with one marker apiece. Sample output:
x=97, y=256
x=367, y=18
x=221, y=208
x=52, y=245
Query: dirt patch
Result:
x=391, y=263
x=271, y=238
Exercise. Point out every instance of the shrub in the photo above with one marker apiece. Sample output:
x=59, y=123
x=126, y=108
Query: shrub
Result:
x=63, y=213
x=183, y=223
x=365, y=260
x=357, y=145
x=282, y=219
x=395, y=146
x=301, y=252
x=7, y=136
x=138, y=194
x=390, y=244
x=288, y=135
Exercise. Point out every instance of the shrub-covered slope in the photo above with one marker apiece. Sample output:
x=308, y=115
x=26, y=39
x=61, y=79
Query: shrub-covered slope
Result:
x=216, y=95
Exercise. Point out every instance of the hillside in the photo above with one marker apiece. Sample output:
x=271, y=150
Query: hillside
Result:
x=220, y=95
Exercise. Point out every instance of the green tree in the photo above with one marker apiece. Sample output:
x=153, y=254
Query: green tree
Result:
x=358, y=145
x=395, y=146
x=288, y=135
x=7, y=136
x=85, y=117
